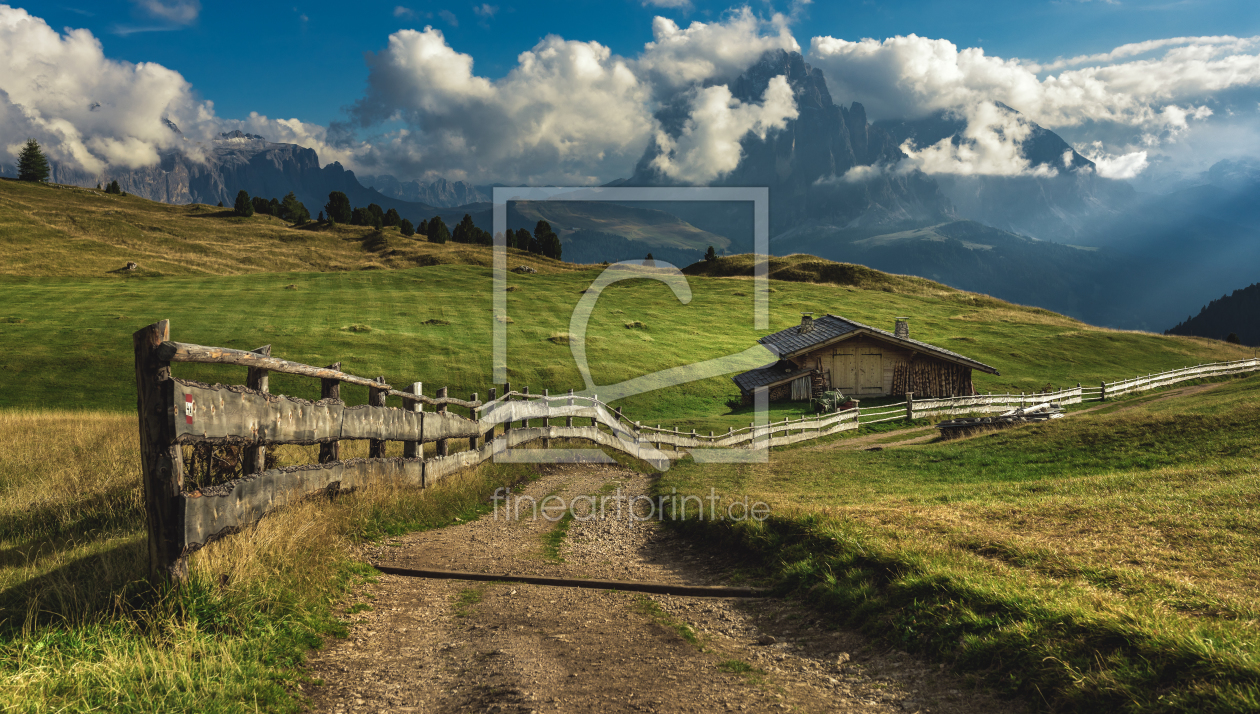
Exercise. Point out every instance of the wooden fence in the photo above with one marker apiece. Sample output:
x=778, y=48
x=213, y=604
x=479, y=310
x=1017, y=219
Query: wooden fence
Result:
x=174, y=413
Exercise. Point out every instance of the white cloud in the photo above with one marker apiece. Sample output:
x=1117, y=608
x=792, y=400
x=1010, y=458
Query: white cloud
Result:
x=400, y=11
x=1156, y=98
x=180, y=12
x=486, y=10
x=1125, y=166
x=89, y=111
x=669, y=4
x=569, y=111
x=449, y=17
x=709, y=144
x=989, y=146
x=715, y=51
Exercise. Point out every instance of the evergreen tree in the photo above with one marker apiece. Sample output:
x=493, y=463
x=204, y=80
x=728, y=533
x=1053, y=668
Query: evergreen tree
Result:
x=321, y=217
x=243, y=207
x=375, y=210
x=113, y=188
x=220, y=204
x=523, y=237
x=438, y=232
x=550, y=246
x=649, y=260
x=375, y=220
x=423, y=228
x=261, y=205
x=392, y=218
x=338, y=207
x=710, y=255
x=360, y=217
x=98, y=186
x=32, y=166
x=273, y=208
x=1232, y=338
x=292, y=210
x=540, y=232
x=406, y=228
x=465, y=231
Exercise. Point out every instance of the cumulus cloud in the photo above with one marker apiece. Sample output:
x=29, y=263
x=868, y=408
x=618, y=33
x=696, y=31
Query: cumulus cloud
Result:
x=1117, y=166
x=88, y=110
x=716, y=51
x=708, y=146
x=180, y=12
x=1154, y=98
x=669, y=4
x=569, y=111
x=990, y=145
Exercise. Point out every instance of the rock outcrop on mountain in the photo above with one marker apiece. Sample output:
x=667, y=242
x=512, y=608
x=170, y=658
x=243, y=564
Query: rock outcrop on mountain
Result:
x=438, y=192
x=1060, y=197
x=807, y=163
x=238, y=161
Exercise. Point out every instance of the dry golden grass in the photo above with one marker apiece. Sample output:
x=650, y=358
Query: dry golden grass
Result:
x=80, y=631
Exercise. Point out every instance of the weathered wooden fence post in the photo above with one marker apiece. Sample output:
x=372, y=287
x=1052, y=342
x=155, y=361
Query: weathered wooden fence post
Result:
x=161, y=460
x=376, y=397
x=507, y=389
x=1102, y=397
x=568, y=421
x=256, y=456
x=909, y=406
x=547, y=420
x=330, y=389
x=489, y=437
x=412, y=449
x=525, y=422
x=472, y=414
x=442, y=447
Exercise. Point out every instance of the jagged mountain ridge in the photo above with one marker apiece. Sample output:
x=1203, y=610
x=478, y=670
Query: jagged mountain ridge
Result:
x=803, y=163
x=237, y=161
x=438, y=192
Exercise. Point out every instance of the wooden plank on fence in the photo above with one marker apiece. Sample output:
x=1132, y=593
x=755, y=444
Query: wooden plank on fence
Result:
x=238, y=415
x=445, y=425
x=181, y=352
x=411, y=449
x=223, y=510
x=161, y=461
x=381, y=424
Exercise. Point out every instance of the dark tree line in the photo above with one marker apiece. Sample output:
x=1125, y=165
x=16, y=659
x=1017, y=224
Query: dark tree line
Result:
x=290, y=209
x=542, y=241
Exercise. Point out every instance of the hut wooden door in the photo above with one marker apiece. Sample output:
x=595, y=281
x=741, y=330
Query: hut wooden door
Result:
x=870, y=373
x=844, y=371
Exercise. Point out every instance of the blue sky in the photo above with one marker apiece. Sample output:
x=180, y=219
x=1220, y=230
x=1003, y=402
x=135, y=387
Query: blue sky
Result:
x=428, y=89
x=305, y=59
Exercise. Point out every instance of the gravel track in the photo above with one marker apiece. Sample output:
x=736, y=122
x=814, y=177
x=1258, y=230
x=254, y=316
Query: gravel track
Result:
x=457, y=646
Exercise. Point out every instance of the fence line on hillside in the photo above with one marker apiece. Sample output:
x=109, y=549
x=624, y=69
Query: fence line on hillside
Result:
x=174, y=413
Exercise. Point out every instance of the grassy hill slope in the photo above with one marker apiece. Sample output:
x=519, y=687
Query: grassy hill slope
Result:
x=67, y=231
x=1104, y=562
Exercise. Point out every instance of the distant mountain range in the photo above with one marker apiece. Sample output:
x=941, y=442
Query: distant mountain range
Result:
x=1074, y=242
x=438, y=192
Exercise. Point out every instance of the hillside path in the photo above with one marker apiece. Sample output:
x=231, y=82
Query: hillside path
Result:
x=459, y=646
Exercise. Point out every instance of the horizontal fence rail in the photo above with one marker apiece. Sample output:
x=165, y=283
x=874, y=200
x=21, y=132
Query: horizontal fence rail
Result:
x=174, y=413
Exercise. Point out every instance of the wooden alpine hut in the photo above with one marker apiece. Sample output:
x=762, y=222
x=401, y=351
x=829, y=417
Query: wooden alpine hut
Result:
x=861, y=361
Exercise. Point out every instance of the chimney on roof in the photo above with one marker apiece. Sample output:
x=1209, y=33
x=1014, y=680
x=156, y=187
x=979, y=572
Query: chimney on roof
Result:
x=807, y=323
x=902, y=329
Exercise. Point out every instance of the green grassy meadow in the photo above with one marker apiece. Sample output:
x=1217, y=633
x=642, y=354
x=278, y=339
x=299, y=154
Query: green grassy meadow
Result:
x=71, y=338
x=1103, y=562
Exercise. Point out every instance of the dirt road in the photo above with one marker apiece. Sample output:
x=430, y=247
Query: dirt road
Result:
x=459, y=646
